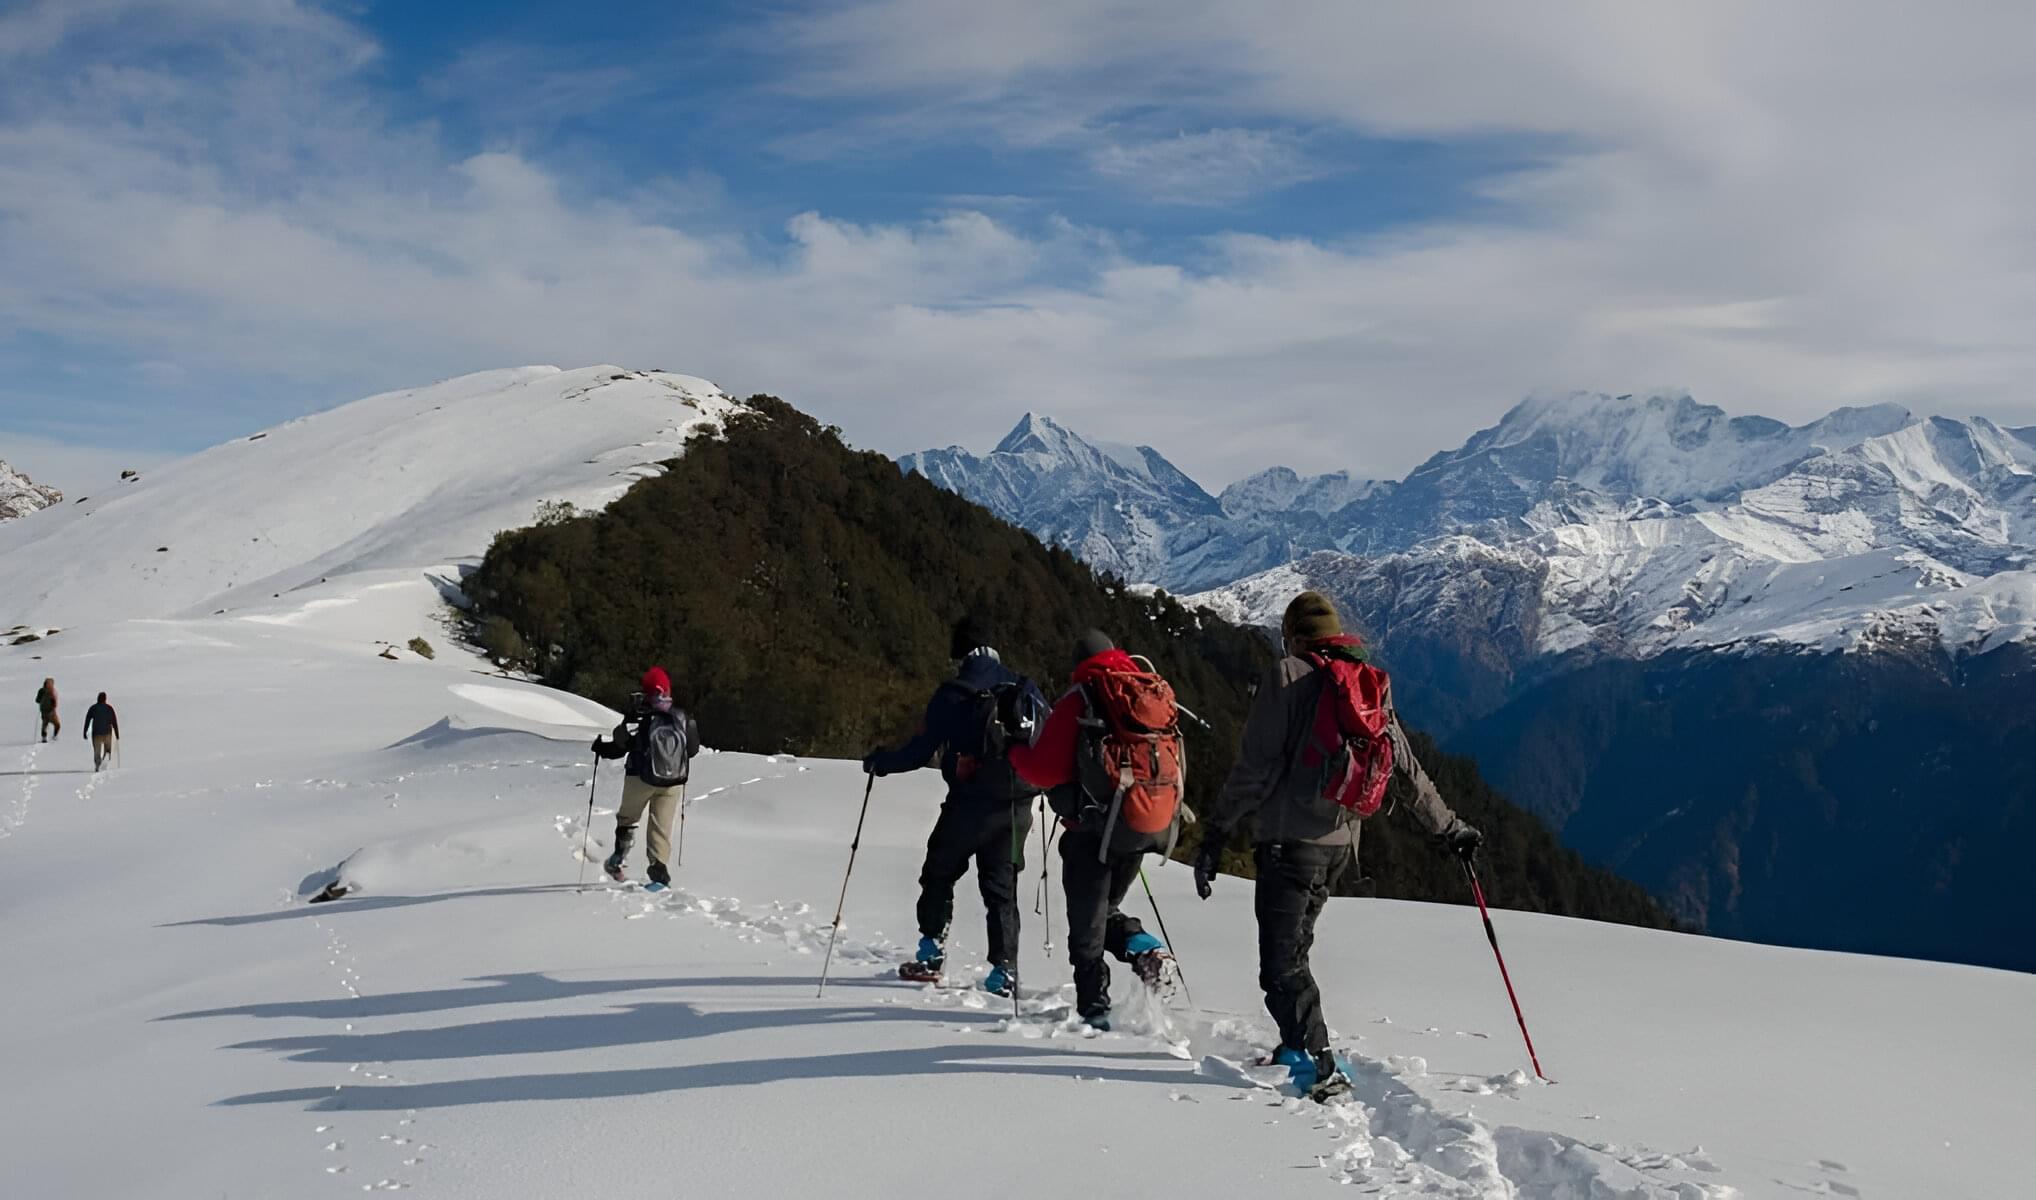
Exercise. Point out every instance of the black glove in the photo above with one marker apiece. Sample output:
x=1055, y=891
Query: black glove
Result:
x=869, y=763
x=1209, y=860
x=1463, y=839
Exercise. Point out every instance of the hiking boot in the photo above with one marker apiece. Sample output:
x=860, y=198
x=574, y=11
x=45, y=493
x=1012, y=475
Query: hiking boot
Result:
x=1098, y=1021
x=659, y=875
x=1301, y=1069
x=1001, y=981
x=613, y=867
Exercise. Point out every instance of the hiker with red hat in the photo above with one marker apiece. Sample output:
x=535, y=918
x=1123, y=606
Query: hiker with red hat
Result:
x=1321, y=744
x=1111, y=762
x=658, y=740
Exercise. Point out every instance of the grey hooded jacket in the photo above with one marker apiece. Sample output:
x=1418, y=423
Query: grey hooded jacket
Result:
x=1284, y=801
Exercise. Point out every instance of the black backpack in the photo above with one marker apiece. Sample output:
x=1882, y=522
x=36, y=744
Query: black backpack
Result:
x=1000, y=717
x=667, y=751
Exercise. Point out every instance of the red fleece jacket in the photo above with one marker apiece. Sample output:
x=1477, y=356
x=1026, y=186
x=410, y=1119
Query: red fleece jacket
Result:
x=1050, y=762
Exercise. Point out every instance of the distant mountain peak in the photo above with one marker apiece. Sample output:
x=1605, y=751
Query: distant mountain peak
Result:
x=20, y=495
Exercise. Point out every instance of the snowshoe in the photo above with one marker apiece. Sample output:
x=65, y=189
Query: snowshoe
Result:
x=612, y=866
x=925, y=965
x=1000, y=981
x=1330, y=1088
x=655, y=886
x=1154, y=965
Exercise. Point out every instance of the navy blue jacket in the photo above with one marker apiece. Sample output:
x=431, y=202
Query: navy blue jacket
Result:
x=950, y=719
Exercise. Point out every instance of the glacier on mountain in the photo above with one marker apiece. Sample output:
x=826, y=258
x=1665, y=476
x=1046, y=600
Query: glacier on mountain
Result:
x=1578, y=524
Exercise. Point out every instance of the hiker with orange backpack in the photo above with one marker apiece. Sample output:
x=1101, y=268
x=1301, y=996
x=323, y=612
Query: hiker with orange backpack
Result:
x=1321, y=744
x=1111, y=762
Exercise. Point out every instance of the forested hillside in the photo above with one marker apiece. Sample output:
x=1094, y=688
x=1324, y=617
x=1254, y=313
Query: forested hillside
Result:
x=801, y=593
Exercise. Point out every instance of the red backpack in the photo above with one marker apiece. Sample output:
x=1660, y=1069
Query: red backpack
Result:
x=1133, y=765
x=1349, y=745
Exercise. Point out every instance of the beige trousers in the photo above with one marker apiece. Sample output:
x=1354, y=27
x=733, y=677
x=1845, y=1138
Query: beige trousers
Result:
x=663, y=804
x=102, y=749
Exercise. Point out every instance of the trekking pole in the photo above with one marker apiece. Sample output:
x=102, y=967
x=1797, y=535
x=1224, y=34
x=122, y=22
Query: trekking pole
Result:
x=1045, y=893
x=1171, y=948
x=1190, y=715
x=679, y=859
x=587, y=826
x=1017, y=865
x=1477, y=890
x=842, y=903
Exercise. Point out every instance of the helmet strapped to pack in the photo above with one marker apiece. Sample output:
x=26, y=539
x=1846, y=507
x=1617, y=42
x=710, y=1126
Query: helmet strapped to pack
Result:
x=1348, y=747
x=1132, y=764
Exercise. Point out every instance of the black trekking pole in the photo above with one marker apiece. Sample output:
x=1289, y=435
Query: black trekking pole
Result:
x=842, y=903
x=1044, y=896
x=679, y=859
x=1170, y=947
x=1017, y=865
x=587, y=826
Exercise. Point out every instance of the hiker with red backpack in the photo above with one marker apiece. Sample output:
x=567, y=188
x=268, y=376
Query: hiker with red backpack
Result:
x=969, y=723
x=658, y=741
x=1111, y=762
x=1321, y=744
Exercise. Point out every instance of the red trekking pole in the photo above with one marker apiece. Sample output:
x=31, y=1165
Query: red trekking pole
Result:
x=1492, y=936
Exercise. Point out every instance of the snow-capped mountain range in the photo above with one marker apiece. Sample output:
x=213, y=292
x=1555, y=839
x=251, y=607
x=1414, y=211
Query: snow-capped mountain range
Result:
x=20, y=495
x=1584, y=523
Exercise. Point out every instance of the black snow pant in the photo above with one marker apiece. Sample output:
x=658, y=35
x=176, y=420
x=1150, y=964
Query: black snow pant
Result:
x=1096, y=922
x=994, y=835
x=1293, y=885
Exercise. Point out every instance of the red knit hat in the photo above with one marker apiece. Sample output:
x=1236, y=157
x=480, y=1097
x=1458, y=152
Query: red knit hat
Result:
x=655, y=680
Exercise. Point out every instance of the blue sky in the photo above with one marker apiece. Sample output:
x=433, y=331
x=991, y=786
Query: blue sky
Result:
x=1317, y=233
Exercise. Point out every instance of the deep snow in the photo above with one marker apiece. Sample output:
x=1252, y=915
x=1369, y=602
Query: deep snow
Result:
x=180, y=1022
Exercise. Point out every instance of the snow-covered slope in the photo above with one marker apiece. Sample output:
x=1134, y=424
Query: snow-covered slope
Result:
x=417, y=478
x=469, y=1024
x=20, y=495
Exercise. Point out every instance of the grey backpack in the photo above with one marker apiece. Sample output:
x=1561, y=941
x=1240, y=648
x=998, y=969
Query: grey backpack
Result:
x=667, y=759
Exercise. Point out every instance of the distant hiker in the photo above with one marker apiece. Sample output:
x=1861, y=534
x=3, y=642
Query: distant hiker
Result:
x=102, y=728
x=1111, y=760
x=46, y=705
x=659, y=740
x=1309, y=772
x=970, y=722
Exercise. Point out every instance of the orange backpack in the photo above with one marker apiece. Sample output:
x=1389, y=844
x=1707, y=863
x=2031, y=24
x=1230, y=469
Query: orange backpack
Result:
x=1133, y=766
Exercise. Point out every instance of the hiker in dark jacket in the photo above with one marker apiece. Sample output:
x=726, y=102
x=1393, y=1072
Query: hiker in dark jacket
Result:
x=102, y=728
x=641, y=792
x=985, y=816
x=1095, y=883
x=1300, y=848
x=46, y=708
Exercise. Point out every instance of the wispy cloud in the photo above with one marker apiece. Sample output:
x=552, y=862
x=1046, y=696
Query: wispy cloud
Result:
x=1731, y=207
x=1213, y=166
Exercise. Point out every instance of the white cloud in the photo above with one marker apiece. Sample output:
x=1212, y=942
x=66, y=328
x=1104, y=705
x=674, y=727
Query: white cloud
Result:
x=1213, y=166
x=1784, y=208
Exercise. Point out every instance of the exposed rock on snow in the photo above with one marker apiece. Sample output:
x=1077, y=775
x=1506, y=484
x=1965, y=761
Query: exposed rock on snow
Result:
x=20, y=495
